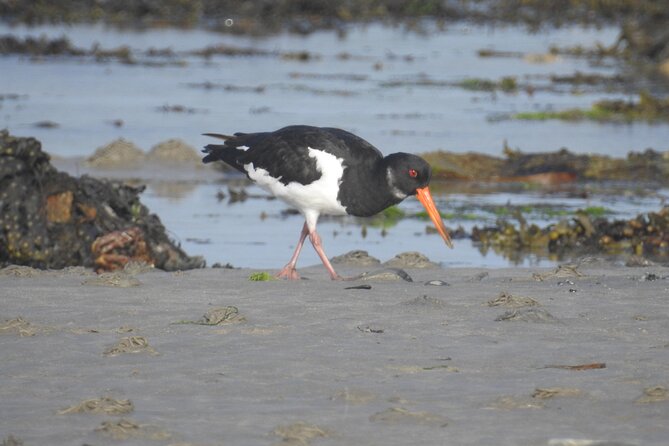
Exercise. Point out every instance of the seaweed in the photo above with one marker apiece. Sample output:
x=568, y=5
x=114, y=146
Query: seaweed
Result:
x=552, y=168
x=586, y=232
x=648, y=108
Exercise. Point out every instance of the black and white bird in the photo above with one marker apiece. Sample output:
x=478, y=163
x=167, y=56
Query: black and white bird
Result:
x=321, y=170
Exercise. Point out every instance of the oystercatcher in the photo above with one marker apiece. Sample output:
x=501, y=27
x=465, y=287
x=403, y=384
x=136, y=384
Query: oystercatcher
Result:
x=322, y=170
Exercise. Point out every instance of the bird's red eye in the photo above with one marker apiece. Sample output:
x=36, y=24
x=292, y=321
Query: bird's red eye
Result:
x=413, y=173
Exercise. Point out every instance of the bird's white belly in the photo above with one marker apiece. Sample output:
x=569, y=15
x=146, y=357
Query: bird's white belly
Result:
x=319, y=197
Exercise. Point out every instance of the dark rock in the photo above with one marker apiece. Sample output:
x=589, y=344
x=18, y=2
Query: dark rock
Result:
x=50, y=219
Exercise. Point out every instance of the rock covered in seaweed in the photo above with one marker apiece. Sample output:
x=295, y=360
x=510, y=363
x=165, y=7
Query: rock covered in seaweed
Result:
x=549, y=168
x=645, y=235
x=50, y=219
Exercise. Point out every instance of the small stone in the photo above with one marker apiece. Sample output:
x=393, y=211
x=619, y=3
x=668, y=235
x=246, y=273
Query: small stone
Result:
x=437, y=283
x=386, y=274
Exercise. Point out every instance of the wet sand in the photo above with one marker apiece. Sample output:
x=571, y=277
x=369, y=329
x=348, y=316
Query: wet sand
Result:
x=489, y=357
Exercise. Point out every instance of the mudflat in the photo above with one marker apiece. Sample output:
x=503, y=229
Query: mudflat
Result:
x=521, y=356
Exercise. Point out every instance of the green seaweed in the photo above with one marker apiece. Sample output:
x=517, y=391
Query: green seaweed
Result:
x=260, y=276
x=393, y=213
x=596, y=211
x=387, y=218
x=507, y=84
x=423, y=215
x=648, y=108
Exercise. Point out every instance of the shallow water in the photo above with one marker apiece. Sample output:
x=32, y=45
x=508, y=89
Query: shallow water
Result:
x=257, y=233
x=345, y=86
x=83, y=97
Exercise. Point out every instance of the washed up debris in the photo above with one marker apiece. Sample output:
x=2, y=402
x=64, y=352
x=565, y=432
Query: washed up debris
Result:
x=654, y=394
x=125, y=429
x=509, y=300
x=117, y=279
x=400, y=415
x=53, y=220
x=551, y=392
x=224, y=315
x=426, y=301
x=300, y=433
x=130, y=344
x=106, y=405
x=219, y=316
x=18, y=326
x=579, y=367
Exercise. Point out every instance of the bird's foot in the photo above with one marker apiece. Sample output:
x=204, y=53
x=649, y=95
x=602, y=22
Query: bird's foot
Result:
x=336, y=276
x=288, y=272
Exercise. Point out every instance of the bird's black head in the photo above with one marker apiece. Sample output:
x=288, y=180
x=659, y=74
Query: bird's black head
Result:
x=410, y=175
x=406, y=173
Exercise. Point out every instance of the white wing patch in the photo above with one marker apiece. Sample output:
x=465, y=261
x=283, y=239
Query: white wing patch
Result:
x=242, y=148
x=319, y=197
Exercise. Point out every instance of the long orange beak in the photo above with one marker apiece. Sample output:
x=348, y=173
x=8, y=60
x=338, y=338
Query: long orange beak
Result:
x=425, y=197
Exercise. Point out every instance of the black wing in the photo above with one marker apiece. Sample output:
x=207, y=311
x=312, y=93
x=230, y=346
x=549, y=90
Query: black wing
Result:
x=284, y=154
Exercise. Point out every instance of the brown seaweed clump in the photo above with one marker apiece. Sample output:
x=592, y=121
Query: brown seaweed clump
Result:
x=49, y=219
x=549, y=168
x=646, y=235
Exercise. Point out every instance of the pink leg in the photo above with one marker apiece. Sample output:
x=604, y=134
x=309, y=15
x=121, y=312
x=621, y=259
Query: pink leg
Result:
x=289, y=271
x=318, y=246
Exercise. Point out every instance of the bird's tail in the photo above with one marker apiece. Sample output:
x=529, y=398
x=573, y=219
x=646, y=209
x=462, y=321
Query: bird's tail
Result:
x=216, y=152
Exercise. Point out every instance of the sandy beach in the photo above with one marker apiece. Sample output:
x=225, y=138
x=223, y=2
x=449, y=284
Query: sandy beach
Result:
x=577, y=356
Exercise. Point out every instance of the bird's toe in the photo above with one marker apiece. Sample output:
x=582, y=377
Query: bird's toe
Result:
x=289, y=273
